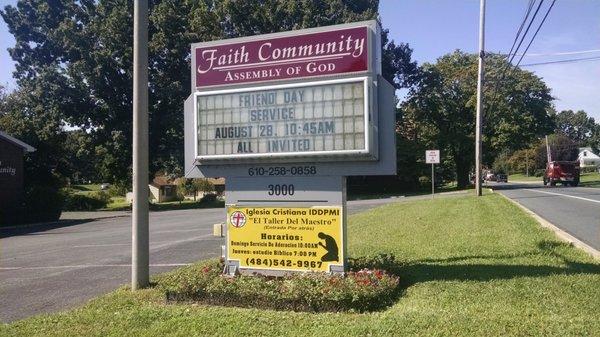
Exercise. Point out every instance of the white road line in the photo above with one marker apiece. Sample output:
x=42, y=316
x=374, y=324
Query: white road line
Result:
x=103, y=245
x=563, y=195
x=93, y=266
x=182, y=230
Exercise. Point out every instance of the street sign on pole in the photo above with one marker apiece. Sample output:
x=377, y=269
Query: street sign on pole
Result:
x=432, y=157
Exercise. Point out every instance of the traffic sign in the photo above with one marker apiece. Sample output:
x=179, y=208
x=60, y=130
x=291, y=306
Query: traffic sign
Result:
x=432, y=156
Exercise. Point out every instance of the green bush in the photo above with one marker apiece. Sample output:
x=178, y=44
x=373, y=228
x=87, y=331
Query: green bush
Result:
x=425, y=181
x=209, y=198
x=40, y=204
x=357, y=290
x=539, y=172
x=86, y=202
x=117, y=190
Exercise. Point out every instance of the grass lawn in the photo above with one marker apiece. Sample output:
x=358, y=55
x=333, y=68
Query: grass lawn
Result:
x=451, y=187
x=85, y=189
x=117, y=204
x=522, y=177
x=469, y=266
x=590, y=179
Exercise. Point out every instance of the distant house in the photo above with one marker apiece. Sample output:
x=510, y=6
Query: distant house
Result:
x=587, y=158
x=219, y=184
x=163, y=189
x=11, y=170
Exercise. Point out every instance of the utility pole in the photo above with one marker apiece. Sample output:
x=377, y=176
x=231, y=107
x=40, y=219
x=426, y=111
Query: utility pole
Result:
x=140, y=262
x=548, y=153
x=432, y=181
x=479, y=98
x=527, y=162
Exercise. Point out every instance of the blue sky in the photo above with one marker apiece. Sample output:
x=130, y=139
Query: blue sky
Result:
x=436, y=27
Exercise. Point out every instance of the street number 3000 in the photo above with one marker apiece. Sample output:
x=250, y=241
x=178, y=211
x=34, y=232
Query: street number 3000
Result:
x=280, y=189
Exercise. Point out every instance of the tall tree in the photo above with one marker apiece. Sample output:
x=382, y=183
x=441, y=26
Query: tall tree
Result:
x=578, y=126
x=442, y=107
x=86, y=46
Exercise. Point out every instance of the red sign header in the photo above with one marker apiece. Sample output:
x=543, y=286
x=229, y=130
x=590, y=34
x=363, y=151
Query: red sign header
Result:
x=308, y=55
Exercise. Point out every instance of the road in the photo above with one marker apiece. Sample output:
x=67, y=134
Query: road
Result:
x=53, y=267
x=576, y=210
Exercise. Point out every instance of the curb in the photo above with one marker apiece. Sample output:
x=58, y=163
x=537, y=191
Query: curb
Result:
x=561, y=234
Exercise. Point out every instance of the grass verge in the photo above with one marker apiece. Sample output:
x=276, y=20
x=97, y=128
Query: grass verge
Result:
x=521, y=177
x=469, y=266
x=450, y=187
x=591, y=179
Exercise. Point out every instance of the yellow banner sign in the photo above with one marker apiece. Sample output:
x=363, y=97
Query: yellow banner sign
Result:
x=282, y=238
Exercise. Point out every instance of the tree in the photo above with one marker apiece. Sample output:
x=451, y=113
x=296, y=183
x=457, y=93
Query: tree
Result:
x=561, y=148
x=35, y=121
x=82, y=49
x=578, y=126
x=203, y=185
x=442, y=108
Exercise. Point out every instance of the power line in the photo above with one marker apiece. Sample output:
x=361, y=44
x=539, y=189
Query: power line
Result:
x=594, y=58
x=527, y=30
x=531, y=3
x=536, y=32
x=504, y=68
x=509, y=65
x=576, y=52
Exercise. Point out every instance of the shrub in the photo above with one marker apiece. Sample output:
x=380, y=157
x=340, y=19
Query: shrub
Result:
x=539, y=172
x=425, y=181
x=117, y=190
x=209, y=198
x=86, y=202
x=358, y=290
x=40, y=204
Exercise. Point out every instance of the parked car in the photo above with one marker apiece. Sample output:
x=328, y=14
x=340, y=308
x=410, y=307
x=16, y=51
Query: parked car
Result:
x=489, y=176
x=502, y=178
x=564, y=172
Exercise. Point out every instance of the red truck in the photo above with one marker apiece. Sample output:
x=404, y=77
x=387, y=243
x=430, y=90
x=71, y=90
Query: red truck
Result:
x=564, y=172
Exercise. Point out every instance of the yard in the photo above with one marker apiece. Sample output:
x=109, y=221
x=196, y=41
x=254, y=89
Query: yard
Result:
x=468, y=266
x=590, y=179
x=119, y=203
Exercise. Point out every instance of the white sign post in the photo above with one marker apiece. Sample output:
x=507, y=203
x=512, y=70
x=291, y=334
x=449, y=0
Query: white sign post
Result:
x=432, y=157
